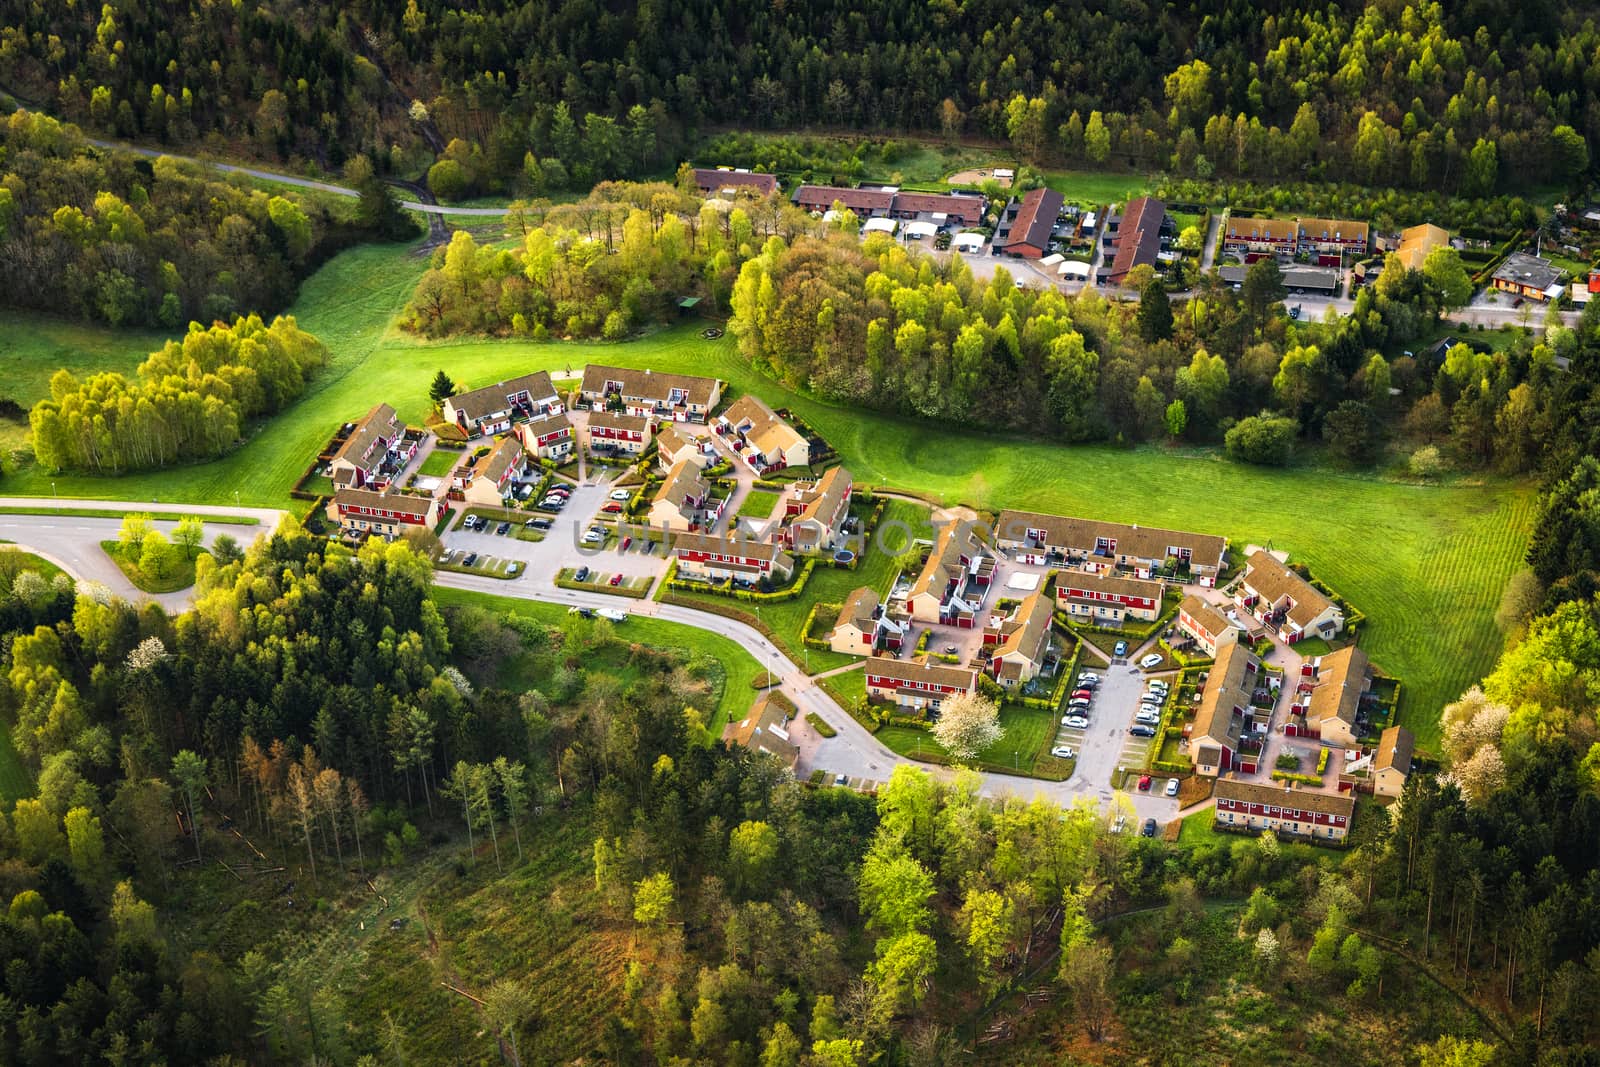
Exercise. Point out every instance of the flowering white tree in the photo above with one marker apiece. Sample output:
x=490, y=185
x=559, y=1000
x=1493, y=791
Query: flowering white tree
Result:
x=147, y=654
x=967, y=725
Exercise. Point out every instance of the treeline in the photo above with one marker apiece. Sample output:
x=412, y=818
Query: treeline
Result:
x=191, y=399
x=1467, y=97
x=601, y=267
x=110, y=236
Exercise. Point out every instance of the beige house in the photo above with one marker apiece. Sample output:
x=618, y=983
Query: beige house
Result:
x=650, y=394
x=628, y=434
x=1391, y=766
x=711, y=558
x=1305, y=813
x=1209, y=627
x=1021, y=641
x=1286, y=603
x=489, y=478
x=681, y=501
x=764, y=729
x=952, y=584
x=760, y=438
x=1224, y=708
x=865, y=625
x=1099, y=547
x=818, y=512
x=360, y=512
x=1329, y=693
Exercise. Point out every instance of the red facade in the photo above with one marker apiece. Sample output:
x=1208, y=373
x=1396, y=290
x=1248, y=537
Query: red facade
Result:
x=1065, y=592
x=712, y=557
x=1269, y=811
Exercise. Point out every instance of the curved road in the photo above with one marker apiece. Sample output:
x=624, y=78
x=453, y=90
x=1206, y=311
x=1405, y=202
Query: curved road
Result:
x=304, y=183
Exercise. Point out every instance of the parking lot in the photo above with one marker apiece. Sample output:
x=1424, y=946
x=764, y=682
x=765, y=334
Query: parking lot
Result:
x=1105, y=744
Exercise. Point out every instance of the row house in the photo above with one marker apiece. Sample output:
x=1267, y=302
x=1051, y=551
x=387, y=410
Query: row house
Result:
x=759, y=437
x=727, y=182
x=1099, y=547
x=1138, y=238
x=1224, y=712
x=918, y=686
x=1103, y=599
x=764, y=729
x=865, y=203
x=1033, y=225
x=952, y=584
x=628, y=434
x=548, y=437
x=709, y=558
x=674, y=446
x=493, y=408
x=817, y=512
x=866, y=626
x=489, y=478
x=683, y=501
x=1209, y=628
x=941, y=209
x=1259, y=238
x=647, y=394
x=1258, y=806
x=1328, y=241
x=362, y=512
x=1286, y=603
x=1021, y=641
x=374, y=451
x=1328, y=695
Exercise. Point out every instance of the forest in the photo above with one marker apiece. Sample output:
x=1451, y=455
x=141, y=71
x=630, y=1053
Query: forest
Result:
x=1471, y=97
x=115, y=238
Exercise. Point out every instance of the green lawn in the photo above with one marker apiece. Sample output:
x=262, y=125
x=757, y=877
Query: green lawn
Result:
x=739, y=667
x=758, y=505
x=34, y=346
x=27, y=561
x=181, y=575
x=440, y=462
x=1096, y=187
x=1426, y=563
x=1026, y=731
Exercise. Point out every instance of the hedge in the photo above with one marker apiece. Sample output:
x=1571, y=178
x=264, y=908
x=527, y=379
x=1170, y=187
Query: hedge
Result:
x=1322, y=761
x=805, y=630
x=1290, y=776
x=820, y=725
x=1182, y=660
x=789, y=592
x=1169, y=767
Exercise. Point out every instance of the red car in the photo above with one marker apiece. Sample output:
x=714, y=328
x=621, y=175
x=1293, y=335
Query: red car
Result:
x=616, y=579
x=626, y=543
x=1144, y=783
x=612, y=509
x=1086, y=694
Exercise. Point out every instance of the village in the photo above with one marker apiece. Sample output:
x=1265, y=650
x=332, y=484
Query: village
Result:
x=1170, y=666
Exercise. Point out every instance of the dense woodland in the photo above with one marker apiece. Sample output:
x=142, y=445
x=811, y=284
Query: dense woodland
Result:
x=120, y=239
x=1470, y=97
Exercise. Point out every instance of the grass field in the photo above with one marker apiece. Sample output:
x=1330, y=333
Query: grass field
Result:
x=738, y=665
x=30, y=562
x=1097, y=188
x=758, y=505
x=440, y=461
x=1425, y=563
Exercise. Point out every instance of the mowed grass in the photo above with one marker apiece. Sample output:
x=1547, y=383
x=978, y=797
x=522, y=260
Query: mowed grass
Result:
x=1096, y=187
x=33, y=347
x=758, y=505
x=1425, y=563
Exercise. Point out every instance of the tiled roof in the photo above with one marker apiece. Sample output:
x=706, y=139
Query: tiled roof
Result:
x=1284, y=797
x=1246, y=229
x=1111, y=584
x=1208, y=618
x=647, y=384
x=1394, y=750
x=723, y=546
x=904, y=670
x=380, y=422
x=613, y=420
x=1332, y=230
x=1273, y=581
x=1229, y=684
x=860, y=607
x=826, y=497
x=682, y=481
x=1139, y=236
x=480, y=403
x=823, y=197
x=955, y=539
x=1144, y=542
x=1036, y=219
x=1030, y=627
x=968, y=209
x=1341, y=679
x=715, y=181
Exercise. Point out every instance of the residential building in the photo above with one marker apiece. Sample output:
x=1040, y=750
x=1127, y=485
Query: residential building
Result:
x=1304, y=813
x=1329, y=694
x=1417, y=241
x=711, y=558
x=1391, y=766
x=1297, y=278
x=1138, y=238
x=683, y=500
x=488, y=478
x=941, y=209
x=1224, y=712
x=725, y=182
x=1209, y=628
x=1286, y=603
x=1031, y=229
x=1529, y=277
x=916, y=685
x=646, y=393
x=674, y=445
x=628, y=434
x=759, y=437
x=1101, y=599
x=1258, y=238
x=819, y=512
x=360, y=512
x=866, y=203
x=951, y=586
x=1021, y=641
x=373, y=452
x=548, y=437
x=493, y=408
x=1330, y=240
x=865, y=626
x=1098, y=547
x=764, y=729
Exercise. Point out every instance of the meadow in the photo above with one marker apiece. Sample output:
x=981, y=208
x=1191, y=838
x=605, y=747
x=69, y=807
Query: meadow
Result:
x=1426, y=563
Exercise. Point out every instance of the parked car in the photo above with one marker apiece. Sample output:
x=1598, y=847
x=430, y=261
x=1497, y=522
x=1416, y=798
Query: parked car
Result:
x=472, y=557
x=593, y=537
x=1152, y=660
x=511, y=571
x=582, y=575
x=1078, y=703
x=1084, y=693
x=613, y=615
x=620, y=494
x=1121, y=649
x=1144, y=783
x=1156, y=685
x=503, y=529
x=841, y=780
x=1120, y=825
x=1074, y=722
x=1172, y=787
x=1088, y=681
x=1063, y=752
x=1148, y=717
x=1149, y=828
x=612, y=508
x=1141, y=730
x=587, y=613
x=627, y=542
x=616, y=579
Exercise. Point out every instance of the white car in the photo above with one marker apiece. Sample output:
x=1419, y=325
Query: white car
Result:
x=1149, y=718
x=1172, y=787
x=1152, y=660
x=1075, y=722
x=1063, y=752
x=613, y=614
x=593, y=537
x=1088, y=681
x=620, y=494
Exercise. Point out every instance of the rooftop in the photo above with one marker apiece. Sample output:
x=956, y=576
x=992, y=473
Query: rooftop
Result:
x=1522, y=269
